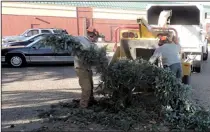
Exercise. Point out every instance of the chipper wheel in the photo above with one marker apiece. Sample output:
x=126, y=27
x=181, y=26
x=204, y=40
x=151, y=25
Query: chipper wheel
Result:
x=186, y=79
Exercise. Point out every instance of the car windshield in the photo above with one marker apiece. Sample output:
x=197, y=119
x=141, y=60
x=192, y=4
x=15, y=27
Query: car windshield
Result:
x=34, y=42
x=24, y=33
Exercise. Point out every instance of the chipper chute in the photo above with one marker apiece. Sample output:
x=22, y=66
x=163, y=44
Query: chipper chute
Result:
x=181, y=14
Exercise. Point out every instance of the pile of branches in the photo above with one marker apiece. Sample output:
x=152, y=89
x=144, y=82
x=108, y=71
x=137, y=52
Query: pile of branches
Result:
x=123, y=77
x=142, y=115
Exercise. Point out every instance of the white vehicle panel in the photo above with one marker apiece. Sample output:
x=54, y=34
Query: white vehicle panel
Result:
x=189, y=35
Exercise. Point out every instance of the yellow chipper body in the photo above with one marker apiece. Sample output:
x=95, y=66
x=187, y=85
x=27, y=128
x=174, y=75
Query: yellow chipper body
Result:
x=141, y=41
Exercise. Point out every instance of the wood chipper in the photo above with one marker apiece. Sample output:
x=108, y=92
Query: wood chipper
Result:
x=189, y=21
x=141, y=41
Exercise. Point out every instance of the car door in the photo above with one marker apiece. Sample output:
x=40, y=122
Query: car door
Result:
x=41, y=53
x=65, y=55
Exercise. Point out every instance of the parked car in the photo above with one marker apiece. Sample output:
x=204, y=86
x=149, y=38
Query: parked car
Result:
x=32, y=32
x=36, y=52
x=25, y=41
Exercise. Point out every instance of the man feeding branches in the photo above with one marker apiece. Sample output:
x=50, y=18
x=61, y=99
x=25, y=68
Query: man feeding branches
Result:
x=85, y=75
x=169, y=51
x=86, y=55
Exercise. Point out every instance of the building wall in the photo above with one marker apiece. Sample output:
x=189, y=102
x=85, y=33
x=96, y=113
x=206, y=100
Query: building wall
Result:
x=107, y=20
x=17, y=24
x=108, y=26
x=17, y=17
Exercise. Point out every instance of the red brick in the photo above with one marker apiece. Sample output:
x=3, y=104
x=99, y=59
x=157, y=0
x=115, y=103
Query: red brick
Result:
x=17, y=24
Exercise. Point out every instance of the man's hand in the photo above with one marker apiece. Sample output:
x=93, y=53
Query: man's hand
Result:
x=154, y=57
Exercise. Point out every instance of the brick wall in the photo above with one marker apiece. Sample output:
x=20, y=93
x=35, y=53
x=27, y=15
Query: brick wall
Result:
x=17, y=24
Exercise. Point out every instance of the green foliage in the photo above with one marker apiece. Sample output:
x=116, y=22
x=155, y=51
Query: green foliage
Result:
x=101, y=35
x=122, y=78
x=91, y=56
x=104, y=113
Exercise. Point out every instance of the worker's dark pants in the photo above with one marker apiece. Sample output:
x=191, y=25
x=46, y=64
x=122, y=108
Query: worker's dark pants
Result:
x=176, y=69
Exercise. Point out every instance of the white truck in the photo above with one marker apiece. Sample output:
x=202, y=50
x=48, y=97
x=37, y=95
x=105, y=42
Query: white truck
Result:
x=189, y=21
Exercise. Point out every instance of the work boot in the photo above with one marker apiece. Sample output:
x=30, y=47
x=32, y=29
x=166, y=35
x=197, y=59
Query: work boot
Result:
x=83, y=104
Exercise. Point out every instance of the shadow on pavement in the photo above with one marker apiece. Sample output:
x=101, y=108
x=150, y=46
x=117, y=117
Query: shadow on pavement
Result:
x=4, y=65
x=20, y=108
x=37, y=72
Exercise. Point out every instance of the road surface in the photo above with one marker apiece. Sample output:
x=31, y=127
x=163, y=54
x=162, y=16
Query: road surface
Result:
x=201, y=85
x=25, y=91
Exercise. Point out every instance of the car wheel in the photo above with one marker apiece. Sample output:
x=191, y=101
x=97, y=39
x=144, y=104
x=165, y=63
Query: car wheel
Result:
x=17, y=61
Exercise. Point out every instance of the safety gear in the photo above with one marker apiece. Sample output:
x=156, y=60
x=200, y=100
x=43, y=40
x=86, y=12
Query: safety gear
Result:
x=163, y=38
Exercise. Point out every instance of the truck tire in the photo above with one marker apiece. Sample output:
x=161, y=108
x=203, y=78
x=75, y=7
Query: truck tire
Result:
x=205, y=55
x=197, y=66
x=197, y=69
